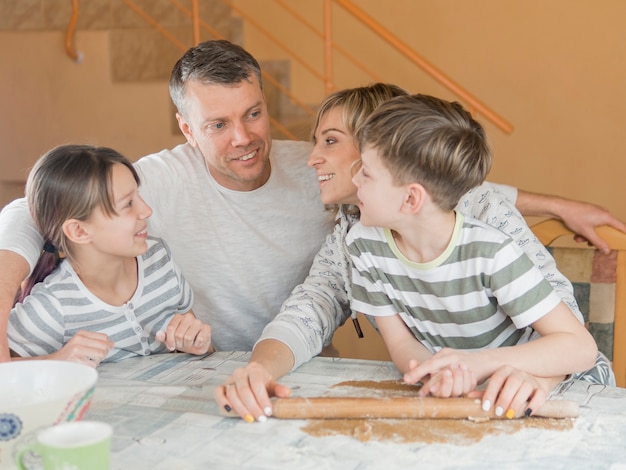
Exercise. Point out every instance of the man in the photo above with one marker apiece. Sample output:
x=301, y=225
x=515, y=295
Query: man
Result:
x=240, y=212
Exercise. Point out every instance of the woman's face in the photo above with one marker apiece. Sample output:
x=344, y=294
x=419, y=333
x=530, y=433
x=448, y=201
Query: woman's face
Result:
x=334, y=153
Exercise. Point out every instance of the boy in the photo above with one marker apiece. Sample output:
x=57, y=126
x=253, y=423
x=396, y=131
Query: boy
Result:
x=455, y=300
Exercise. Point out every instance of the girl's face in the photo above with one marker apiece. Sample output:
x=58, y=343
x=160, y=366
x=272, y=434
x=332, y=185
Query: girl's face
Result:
x=333, y=156
x=122, y=234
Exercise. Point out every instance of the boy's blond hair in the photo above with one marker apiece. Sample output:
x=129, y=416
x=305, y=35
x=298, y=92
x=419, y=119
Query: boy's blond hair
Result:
x=430, y=141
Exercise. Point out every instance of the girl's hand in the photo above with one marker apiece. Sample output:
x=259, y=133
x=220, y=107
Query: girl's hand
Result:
x=247, y=392
x=187, y=334
x=514, y=392
x=85, y=347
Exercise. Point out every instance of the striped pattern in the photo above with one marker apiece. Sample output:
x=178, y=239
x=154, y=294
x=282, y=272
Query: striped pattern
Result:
x=482, y=292
x=61, y=306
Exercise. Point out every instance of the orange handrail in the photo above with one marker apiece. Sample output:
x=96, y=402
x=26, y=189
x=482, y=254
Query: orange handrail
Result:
x=195, y=19
x=69, y=34
x=336, y=46
x=418, y=60
x=155, y=24
x=473, y=104
x=276, y=41
x=328, y=46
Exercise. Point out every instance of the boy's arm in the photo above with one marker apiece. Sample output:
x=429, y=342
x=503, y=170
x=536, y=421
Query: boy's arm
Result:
x=402, y=345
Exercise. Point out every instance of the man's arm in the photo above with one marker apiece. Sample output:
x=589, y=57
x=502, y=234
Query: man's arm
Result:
x=14, y=270
x=20, y=246
x=580, y=217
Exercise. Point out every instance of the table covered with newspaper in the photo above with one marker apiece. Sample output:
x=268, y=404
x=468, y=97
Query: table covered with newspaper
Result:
x=164, y=417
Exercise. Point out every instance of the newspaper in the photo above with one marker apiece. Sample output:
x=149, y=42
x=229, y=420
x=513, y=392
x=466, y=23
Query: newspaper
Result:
x=165, y=417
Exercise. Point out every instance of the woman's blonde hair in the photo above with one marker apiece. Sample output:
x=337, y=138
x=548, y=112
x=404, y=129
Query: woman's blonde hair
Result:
x=357, y=104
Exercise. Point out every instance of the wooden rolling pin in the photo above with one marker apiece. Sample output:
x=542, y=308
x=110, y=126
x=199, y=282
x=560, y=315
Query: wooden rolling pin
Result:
x=403, y=407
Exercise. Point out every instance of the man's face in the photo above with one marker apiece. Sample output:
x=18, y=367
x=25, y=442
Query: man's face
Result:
x=230, y=126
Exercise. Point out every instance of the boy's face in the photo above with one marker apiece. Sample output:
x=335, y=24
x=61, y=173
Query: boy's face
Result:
x=380, y=200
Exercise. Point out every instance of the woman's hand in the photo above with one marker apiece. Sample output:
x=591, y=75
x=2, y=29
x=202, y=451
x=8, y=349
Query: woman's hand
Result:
x=85, y=347
x=247, y=392
x=514, y=392
x=187, y=334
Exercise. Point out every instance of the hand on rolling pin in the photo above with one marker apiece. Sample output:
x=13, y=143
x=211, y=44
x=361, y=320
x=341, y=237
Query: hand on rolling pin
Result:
x=247, y=392
x=455, y=380
x=447, y=373
x=513, y=391
x=187, y=334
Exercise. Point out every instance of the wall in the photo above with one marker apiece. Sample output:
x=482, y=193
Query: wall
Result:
x=555, y=70
x=48, y=100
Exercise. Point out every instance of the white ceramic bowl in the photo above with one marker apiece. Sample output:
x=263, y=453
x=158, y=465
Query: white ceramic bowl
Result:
x=36, y=394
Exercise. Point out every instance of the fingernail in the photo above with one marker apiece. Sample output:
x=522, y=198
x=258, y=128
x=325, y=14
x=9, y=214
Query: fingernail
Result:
x=499, y=411
x=262, y=419
x=486, y=405
x=267, y=410
x=510, y=413
x=528, y=412
x=228, y=408
x=249, y=418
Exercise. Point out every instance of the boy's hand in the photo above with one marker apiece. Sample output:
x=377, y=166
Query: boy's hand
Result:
x=187, y=334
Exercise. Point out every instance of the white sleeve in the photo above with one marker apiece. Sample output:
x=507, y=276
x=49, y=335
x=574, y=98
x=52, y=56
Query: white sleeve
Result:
x=18, y=232
x=316, y=308
x=509, y=192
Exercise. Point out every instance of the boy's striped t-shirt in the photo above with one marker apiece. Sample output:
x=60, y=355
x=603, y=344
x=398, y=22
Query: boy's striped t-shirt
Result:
x=482, y=292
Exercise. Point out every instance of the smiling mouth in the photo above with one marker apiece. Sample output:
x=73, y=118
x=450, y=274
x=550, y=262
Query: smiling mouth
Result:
x=321, y=178
x=246, y=157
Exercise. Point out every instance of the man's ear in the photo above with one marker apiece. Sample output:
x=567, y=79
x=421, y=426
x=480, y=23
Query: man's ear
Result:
x=414, y=198
x=76, y=232
x=185, y=128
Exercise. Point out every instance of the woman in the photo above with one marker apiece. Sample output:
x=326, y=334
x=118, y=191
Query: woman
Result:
x=316, y=308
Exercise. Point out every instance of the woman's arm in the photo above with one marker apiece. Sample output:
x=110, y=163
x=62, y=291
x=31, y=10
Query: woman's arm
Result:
x=306, y=322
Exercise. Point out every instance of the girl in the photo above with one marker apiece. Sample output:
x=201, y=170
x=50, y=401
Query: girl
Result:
x=321, y=304
x=109, y=291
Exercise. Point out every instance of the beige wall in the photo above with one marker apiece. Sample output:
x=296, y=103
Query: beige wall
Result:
x=48, y=100
x=555, y=69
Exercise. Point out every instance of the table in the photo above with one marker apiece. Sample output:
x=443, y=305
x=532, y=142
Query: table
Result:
x=164, y=417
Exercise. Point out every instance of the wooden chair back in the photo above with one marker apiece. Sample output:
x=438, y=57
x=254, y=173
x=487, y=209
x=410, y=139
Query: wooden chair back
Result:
x=599, y=286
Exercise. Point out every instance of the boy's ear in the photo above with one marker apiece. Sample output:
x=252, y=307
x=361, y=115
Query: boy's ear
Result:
x=414, y=198
x=75, y=231
x=185, y=128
